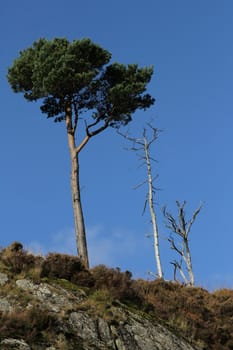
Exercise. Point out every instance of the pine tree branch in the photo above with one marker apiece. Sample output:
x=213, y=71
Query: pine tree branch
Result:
x=75, y=118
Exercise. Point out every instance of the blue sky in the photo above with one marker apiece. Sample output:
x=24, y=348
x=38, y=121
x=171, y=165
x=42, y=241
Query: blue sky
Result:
x=190, y=45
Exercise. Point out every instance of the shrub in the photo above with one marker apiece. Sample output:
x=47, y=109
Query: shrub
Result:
x=17, y=259
x=117, y=283
x=30, y=324
x=67, y=267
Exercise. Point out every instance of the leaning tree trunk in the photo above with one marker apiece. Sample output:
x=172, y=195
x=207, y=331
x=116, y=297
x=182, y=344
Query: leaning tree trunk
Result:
x=76, y=197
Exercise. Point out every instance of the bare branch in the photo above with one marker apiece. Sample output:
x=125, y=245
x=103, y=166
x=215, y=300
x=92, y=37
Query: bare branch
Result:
x=142, y=164
x=175, y=268
x=82, y=144
x=139, y=185
x=178, y=266
x=182, y=229
x=154, y=135
x=131, y=139
x=145, y=205
x=171, y=222
x=153, y=160
x=174, y=247
x=148, y=235
x=101, y=128
x=190, y=223
x=90, y=134
x=131, y=149
x=182, y=218
x=143, y=145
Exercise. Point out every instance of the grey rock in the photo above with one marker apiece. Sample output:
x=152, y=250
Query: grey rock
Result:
x=52, y=298
x=3, y=278
x=41, y=290
x=14, y=344
x=77, y=329
x=136, y=333
x=83, y=325
x=139, y=333
x=147, y=336
x=5, y=306
x=25, y=284
x=104, y=331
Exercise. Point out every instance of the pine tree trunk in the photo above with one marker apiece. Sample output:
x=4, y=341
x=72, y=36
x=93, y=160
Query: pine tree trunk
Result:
x=76, y=196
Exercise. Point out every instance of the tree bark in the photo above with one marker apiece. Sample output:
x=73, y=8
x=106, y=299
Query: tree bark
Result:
x=188, y=261
x=152, y=210
x=75, y=191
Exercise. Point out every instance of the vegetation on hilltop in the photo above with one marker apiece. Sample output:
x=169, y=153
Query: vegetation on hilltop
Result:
x=195, y=314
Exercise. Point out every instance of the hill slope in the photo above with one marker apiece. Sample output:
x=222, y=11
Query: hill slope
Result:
x=53, y=303
x=58, y=315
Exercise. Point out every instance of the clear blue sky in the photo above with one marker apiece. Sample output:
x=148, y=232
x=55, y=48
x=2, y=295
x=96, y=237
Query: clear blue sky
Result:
x=190, y=45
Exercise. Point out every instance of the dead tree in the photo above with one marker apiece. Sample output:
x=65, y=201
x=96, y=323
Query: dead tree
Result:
x=181, y=228
x=142, y=146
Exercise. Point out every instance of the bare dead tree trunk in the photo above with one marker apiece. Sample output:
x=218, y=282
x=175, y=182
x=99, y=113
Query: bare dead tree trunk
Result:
x=151, y=206
x=182, y=229
x=143, y=146
x=178, y=266
x=188, y=261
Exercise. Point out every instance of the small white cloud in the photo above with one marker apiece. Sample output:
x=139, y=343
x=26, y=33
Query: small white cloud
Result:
x=64, y=241
x=35, y=248
x=118, y=247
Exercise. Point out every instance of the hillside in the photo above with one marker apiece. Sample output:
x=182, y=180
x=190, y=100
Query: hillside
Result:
x=53, y=303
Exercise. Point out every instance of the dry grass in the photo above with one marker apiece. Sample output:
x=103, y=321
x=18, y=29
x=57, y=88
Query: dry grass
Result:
x=203, y=317
x=31, y=325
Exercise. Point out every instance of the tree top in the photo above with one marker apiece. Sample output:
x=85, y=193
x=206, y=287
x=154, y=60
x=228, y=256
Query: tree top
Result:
x=78, y=73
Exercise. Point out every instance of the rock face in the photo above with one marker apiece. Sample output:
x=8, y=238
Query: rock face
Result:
x=3, y=278
x=14, y=344
x=75, y=323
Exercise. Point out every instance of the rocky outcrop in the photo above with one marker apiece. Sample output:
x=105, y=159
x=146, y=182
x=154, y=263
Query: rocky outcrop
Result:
x=14, y=344
x=3, y=278
x=73, y=323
